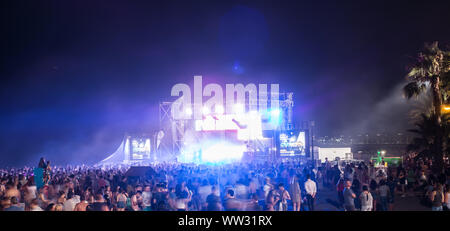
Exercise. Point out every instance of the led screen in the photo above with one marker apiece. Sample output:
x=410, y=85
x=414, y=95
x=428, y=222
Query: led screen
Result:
x=292, y=143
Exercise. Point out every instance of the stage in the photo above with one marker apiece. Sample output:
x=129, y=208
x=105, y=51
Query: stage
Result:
x=247, y=129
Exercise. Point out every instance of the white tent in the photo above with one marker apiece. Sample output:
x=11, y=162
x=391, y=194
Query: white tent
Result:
x=120, y=156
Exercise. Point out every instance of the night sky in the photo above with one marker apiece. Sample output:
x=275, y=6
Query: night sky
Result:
x=77, y=75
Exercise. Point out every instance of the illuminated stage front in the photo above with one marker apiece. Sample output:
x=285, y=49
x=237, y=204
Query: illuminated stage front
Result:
x=221, y=137
x=246, y=129
x=218, y=138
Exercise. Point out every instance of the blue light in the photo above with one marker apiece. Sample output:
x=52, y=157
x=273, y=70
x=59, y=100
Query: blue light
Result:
x=237, y=68
x=213, y=152
x=275, y=112
x=275, y=116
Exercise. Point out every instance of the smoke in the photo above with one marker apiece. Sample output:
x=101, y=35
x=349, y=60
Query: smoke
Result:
x=88, y=149
x=394, y=113
x=80, y=135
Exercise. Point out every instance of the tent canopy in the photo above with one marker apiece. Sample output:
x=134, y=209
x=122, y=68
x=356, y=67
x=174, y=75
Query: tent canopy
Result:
x=140, y=171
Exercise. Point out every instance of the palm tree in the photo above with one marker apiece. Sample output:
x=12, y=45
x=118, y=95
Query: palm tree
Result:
x=432, y=68
x=431, y=136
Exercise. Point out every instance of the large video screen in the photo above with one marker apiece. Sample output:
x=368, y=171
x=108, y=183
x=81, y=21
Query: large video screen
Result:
x=292, y=143
x=140, y=149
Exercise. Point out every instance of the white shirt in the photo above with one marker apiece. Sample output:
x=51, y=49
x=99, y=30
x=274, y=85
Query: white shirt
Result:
x=267, y=189
x=146, y=198
x=31, y=194
x=180, y=203
x=37, y=209
x=241, y=191
x=448, y=202
x=69, y=205
x=204, y=191
x=310, y=187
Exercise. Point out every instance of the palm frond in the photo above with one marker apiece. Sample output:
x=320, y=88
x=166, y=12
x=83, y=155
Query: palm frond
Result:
x=413, y=89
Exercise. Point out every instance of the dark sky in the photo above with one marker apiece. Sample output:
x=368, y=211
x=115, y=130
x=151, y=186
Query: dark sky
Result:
x=77, y=75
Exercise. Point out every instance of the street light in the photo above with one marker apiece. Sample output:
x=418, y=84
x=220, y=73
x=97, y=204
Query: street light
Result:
x=445, y=108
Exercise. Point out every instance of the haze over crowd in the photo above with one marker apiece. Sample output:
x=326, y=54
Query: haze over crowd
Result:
x=76, y=77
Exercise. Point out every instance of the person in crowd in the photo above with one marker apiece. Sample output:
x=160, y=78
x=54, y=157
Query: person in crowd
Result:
x=437, y=198
x=12, y=191
x=136, y=201
x=348, y=173
x=373, y=189
x=82, y=205
x=295, y=192
x=98, y=204
x=271, y=200
x=29, y=189
x=366, y=199
x=392, y=185
x=14, y=206
x=58, y=207
x=213, y=200
x=311, y=190
x=284, y=195
x=71, y=202
x=422, y=180
x=34, y=205
x=47, y=172
x=146, y=198
x=51, y=207
x=383, y=192
x=230, y=203
x=349, y=197
x=253, y=205
x=196, y=200
x=61, y=197
x=121, y=200
x=340, y=191
x=356, y=188
x=402, y=182
x=447, y=198
x=42, y=163
x=204, y=190
x=86, y=188
x=181, y=201
x=267, y=187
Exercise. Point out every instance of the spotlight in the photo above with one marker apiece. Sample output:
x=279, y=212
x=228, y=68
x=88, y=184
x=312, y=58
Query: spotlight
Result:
x=188, y=111
x=238, y=108
x=219, y=109
x=275, y=116
x=275, y=112
x=205, y=110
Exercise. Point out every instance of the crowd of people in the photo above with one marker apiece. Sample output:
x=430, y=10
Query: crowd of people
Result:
x=288, y=186
x=172, y=186
x=365, y=187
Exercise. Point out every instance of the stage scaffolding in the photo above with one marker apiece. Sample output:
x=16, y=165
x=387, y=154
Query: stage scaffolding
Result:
x=174, y=129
